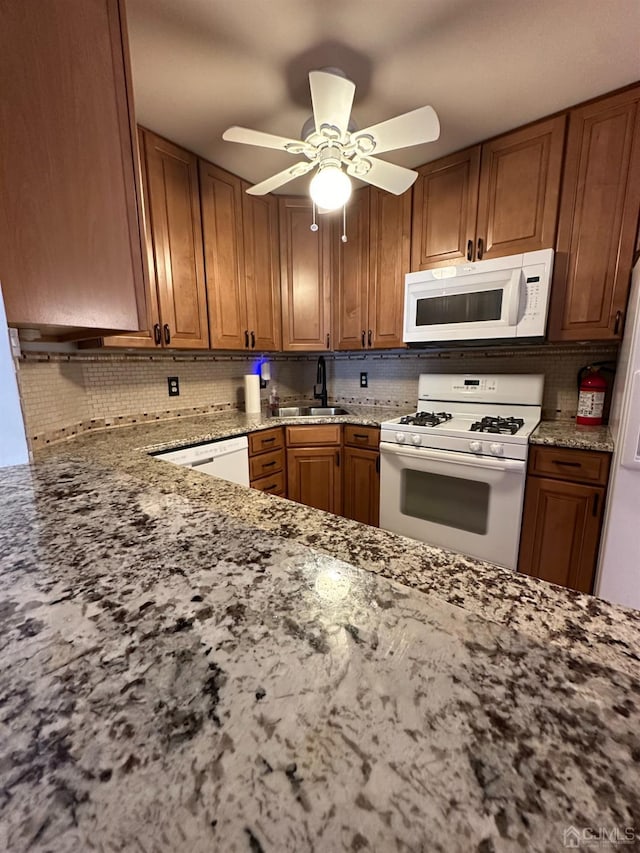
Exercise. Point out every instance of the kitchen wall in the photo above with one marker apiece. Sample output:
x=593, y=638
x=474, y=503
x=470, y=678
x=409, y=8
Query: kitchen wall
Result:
x=67, y=392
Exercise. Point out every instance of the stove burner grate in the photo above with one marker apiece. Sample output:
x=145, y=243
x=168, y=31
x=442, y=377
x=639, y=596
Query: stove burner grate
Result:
x=499, y=425
x=426, y=419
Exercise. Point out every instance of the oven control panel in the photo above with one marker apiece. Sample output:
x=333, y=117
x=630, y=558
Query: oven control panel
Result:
x=475, y=385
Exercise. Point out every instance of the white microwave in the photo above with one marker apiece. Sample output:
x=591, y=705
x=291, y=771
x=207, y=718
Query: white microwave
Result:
x=482, y=301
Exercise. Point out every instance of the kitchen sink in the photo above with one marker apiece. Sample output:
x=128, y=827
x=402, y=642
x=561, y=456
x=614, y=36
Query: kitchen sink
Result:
x=309, y=411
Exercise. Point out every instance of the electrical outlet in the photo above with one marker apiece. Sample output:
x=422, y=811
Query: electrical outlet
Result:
x=364, y=380
x=174, y=386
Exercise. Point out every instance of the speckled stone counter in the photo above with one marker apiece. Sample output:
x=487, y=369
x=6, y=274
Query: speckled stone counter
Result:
x=190, y=665
x=570, y=434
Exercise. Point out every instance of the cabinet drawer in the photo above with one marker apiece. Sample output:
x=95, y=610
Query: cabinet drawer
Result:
x=586, y=466
x=265, y=439
x=304, y=436
x=274, y=484
x=362, y=436
x=266, y=463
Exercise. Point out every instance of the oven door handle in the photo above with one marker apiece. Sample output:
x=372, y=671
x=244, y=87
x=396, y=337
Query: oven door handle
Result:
x=454, y=458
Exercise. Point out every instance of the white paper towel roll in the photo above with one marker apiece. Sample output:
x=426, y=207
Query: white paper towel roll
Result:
x=252, y=394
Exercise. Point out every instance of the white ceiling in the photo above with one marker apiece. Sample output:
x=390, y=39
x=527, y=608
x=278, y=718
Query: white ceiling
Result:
x=486, y=66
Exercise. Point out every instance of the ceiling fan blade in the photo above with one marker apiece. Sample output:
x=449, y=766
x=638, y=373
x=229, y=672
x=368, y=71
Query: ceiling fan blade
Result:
x=332, y=98
x=385, y=176
x=266, y=140
x=412, y=128
x=281, y=178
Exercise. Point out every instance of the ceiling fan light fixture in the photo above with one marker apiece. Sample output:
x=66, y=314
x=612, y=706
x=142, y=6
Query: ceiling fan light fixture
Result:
x=330, y=188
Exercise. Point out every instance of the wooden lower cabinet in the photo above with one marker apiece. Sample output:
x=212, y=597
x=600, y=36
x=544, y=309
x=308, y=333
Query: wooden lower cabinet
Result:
x=267, y=461
x=314, y=477
x=562, y=518
x=361, y=485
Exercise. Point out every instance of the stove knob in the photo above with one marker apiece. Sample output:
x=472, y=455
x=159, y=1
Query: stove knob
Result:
x=496, y=449
x=475, y=446
x=416, y=439
x=401, y=437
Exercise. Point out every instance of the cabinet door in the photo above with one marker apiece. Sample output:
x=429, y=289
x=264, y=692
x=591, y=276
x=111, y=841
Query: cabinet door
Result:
x=390, y=246
x=313, y=477
x=561, y=531
x=173, y=209
x=262, y=270
x=445, y=205
x=361, y=485
x=519, y=190
x=351, y=282
x=221, y=197
x=70, y=247
x=598, y=220
x=305, y=277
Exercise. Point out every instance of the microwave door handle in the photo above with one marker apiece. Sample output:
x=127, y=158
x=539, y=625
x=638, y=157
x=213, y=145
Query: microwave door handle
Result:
x=454, y=458
x=514, y=297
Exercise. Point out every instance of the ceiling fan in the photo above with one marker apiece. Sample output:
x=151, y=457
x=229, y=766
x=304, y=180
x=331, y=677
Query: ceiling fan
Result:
x=331, y=141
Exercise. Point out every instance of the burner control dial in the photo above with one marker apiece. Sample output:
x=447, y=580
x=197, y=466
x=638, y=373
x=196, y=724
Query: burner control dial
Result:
x=496, y=449
x=401, y=437
x=416, y=439
x=475, y=446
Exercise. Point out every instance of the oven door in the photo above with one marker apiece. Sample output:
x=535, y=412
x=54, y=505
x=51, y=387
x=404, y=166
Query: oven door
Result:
x=471, y=306
x=467, y=503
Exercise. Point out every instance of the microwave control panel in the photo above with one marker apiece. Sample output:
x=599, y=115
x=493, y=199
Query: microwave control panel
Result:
x=534, y=301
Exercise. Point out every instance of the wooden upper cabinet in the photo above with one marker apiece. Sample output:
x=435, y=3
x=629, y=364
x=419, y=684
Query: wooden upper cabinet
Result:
x=70, y=240
x=519, y=190
x=445, y=206
x=598, y=220
x=350, y=287
x=173, y=213
x=305, y=277
x=497, y=199
x=389, y=259
x=262, y=270
x=221, y=199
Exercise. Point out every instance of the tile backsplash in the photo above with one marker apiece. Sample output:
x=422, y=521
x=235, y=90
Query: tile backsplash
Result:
x=69, y=392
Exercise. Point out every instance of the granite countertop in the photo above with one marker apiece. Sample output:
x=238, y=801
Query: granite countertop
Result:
x=570, y=434
x=191, y=665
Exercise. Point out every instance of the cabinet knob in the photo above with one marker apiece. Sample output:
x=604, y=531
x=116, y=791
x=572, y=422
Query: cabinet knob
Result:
x=167, y=334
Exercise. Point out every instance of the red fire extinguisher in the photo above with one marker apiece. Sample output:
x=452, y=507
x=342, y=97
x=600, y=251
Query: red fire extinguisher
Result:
x=591, y=398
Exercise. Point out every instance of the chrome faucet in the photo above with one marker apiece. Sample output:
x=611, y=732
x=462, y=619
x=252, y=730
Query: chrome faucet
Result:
x=321, y=380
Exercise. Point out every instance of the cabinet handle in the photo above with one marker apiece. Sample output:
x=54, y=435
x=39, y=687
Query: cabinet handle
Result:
x=253, y=340
x=567, y=464
x=360, y=435
x=246, y=338
x=157, y=336
x=616, y=325
x=596, y=504
x=369, y=337
x=480, y=252
x=469, y=250
x=269, y=464
x=328, y=340
x=271, y=487
x=378, y=464
x=267, y=440
x=338, y=459
x=167, y=334
x=363, y=338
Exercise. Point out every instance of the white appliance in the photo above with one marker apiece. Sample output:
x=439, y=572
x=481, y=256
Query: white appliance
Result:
x=453, y=473
x=500, y=298
x=618, y=575
x=227, y=459
x=13, y=440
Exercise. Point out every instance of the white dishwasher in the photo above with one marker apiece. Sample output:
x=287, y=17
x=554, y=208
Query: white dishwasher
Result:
x=227, y=459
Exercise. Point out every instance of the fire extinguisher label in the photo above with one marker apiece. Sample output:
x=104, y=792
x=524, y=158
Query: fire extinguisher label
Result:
x=590, y=404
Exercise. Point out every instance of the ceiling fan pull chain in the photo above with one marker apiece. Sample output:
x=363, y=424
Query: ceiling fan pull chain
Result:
x=344, y=224
x=314, y=224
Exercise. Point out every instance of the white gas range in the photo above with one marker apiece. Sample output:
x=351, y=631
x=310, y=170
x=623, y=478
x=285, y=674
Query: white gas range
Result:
x=453, y=473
